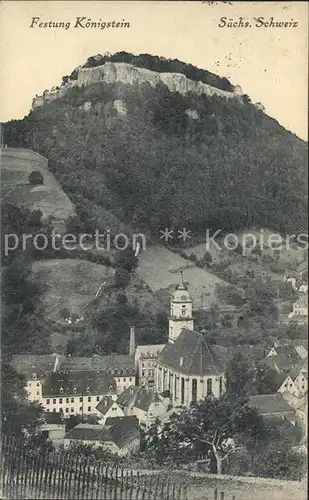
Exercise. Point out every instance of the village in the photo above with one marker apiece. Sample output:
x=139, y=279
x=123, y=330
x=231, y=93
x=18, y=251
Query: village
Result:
x=118, y=396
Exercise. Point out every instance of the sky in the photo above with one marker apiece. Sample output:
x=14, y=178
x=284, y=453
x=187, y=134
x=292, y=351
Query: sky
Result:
x=270, y=64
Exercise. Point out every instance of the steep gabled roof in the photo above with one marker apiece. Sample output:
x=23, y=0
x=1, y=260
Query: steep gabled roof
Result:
x=140, y=397
x=115, y=364
x=105, y=404
x=123, y=429
x=270, y=403
x=191, y=355
x=83, y=382
x=89, y=432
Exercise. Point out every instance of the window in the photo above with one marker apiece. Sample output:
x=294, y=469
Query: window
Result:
x=54, y=410
x=182, y=390
x=54, y=401
x=37, y=393
x=47, y=409
x=183, y=310
x=98, y=398
x=194, y=390
x=87, y=389
x=72, y=400
x=220, y=386
x=67, y=410
x=130, y=379
x=47, y=401
x=38, y=384
x=80, y=408
x=60, y=401
x=143, y=373
x=61, y=390
x=72, y=409
x=209, y=386
x=74, y=389
x=89, y=408
x=67, y=400
x=29, y=384
x=119, y=380
x=89, y=399
x=80, y=400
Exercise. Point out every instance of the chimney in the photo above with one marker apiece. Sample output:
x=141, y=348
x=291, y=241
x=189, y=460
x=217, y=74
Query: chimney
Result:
x=132, y=341
x=181, y=361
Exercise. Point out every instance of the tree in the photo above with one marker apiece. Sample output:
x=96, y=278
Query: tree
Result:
x=207, y=259
x=19, y=416
x=214, y=427
x=36, y=178
x=240, y=375
x=122, y=277
x=280, y=462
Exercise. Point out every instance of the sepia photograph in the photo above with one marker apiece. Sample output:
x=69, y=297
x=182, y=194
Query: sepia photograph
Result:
x=154, y=250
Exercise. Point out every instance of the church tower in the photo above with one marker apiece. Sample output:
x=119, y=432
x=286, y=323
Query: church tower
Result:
x=180, y=312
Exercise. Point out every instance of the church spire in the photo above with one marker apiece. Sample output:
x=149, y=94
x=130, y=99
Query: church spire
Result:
x=180, y=311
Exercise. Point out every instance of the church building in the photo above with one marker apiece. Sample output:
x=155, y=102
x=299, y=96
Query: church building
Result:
x=187, y=367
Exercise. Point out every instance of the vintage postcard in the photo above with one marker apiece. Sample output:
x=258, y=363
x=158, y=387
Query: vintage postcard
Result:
x=154, y=238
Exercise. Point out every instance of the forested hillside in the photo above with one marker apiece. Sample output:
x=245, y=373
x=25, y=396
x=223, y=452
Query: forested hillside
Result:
x=227, y=165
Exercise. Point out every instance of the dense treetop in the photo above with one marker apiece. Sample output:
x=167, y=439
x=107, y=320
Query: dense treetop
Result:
x=155, y=167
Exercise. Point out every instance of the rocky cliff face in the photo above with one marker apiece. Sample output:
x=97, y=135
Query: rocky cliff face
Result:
x=128, y=74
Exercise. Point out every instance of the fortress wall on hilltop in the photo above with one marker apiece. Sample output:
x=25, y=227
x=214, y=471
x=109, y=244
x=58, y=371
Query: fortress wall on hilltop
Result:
x=128, y=74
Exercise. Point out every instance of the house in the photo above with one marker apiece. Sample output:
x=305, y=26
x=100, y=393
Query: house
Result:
x=278, y=363
x=145, y=362
x=300, y=307
x=120, y=366
x=286, y=384
x=273, y=406
x=76, y=392
x=53, y=427
x=108, y=408
x=120, y=435
x=300, y=272
x=35, y=369
x=287, y=350
x=145, y=404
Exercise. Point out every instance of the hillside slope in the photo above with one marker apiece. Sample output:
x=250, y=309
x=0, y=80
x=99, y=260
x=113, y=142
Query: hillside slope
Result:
x=149, y=158
x=49, y=198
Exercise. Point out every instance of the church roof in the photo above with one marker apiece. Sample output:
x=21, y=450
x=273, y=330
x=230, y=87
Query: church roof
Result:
x=191, y=355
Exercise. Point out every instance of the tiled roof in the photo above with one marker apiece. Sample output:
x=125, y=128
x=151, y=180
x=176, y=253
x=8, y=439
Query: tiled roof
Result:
x=144, y=399
x=120, y=430
x=115, y=364
x=270, y=403
x=80, y=383
x=190, y=355
x=89, y=432
x=278, y=363
x=143, y=351
x=127, y=397
x=28, y=364
x=123, y=429
x=139, y=397
x=289, y=352
x=105, y=404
